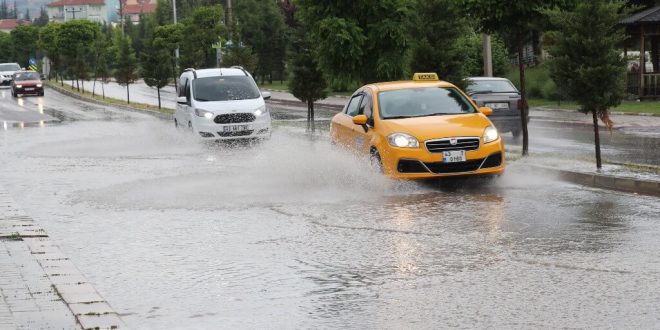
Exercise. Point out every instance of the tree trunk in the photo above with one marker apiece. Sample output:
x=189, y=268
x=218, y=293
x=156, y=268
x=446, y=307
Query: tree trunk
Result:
x=597, y=139
x=94, y=87
x=128, y=95
x=309, y=115
x=158, y=88
x=103, y=89
x=82, y=83
x=524, y=112
x=311, y=109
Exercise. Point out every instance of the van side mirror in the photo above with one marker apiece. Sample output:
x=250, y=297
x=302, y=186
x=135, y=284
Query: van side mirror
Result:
x=266, y=95
x=486, y=111
x=182, y=100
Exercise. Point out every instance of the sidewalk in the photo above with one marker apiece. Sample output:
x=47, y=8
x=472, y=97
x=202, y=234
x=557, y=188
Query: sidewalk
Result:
x=40, y=288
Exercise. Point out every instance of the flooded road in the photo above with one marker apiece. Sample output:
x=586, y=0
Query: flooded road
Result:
x=291, y=234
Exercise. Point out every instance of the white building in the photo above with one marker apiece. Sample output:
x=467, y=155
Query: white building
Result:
x=66, y=10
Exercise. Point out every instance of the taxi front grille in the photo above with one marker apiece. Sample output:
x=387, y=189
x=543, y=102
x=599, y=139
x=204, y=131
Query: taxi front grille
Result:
x=461, y=143
x=467, y=166
x=234, y=118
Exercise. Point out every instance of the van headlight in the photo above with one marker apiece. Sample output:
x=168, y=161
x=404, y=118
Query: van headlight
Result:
x=402, y=140
x=262, y=110
x=490, y=134
x=204, y=113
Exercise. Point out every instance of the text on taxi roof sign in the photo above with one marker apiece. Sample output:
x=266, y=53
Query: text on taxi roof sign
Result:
x=426, y=76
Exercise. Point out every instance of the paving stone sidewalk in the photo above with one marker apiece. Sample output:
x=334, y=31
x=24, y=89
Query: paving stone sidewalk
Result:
x=40, y=288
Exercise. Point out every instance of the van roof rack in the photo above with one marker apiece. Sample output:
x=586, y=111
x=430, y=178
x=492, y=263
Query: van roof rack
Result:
x=240, y=68
x=191, y=70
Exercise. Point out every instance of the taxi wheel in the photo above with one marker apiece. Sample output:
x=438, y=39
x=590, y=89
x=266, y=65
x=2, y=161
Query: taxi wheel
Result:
x=375, y=160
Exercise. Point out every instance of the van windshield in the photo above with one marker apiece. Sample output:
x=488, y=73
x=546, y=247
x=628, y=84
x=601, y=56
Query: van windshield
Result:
x=225, y=88
x=10, y=67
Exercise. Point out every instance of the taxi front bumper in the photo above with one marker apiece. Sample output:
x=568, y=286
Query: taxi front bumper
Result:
x=419, y=163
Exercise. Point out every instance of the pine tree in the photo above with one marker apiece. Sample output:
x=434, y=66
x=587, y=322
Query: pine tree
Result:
x=586, y=61
x=125, y=74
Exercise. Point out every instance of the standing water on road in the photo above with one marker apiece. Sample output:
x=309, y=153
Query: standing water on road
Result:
x=290, y=233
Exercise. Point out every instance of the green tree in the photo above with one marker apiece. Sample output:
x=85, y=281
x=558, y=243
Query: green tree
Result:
x=358, y=40
x=48, y=44
x=586, y=61
x=168, y=37
x=156, y=67
x=163, y=12
x=6, y=47
x=514, y=20
x=76, y=45
x=104, y=57
x=261, y=26
x=435, y=51
x=42, y=20
x=471, y=45
x=126, y=72
x=243, y=56
x=306, y=82
x=25, y=39
x=202, y=28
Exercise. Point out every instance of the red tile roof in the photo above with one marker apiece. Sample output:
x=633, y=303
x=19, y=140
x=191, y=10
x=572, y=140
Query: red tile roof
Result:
x=60, y=3
x=10, y=24
x=146, y=8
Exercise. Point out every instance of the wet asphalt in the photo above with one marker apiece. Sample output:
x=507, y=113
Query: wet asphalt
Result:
x=291, y=233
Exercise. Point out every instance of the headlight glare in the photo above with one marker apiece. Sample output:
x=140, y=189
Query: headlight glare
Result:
x=262, y=110
x=490, y=134
x=204, y=113
x=39, y=85
x=402, y=140
x=19, y=86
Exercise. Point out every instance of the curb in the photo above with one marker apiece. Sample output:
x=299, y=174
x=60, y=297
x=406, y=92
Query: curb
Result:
x=86, y=305
x=610, y=182
x=156, y=114
x=317, y=105
x=617, y=113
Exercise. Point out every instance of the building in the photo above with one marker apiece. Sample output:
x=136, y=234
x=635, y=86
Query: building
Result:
x=133, y=9
x=6, y=25
x=66, y=10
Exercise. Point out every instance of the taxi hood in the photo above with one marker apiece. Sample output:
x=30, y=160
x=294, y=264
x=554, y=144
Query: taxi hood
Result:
x=435, y=127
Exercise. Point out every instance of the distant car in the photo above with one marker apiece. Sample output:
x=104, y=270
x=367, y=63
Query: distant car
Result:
x=7, y=70
x=419, y=129
x=26, y=82
x=222, y=104
x=500, y=95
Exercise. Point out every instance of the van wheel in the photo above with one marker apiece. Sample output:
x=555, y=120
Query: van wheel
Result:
x=375, y=161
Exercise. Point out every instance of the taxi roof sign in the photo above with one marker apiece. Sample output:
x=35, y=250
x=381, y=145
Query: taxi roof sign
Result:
x=426, y=76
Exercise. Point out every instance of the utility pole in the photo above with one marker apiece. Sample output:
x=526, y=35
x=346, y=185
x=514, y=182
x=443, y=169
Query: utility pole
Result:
x=73, y=11
x=176, y=51
x=488, y=56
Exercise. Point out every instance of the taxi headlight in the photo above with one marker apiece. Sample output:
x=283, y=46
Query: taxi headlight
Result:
x=402, y=140
x=490, y=134
x=262, y=110
x=204, y=113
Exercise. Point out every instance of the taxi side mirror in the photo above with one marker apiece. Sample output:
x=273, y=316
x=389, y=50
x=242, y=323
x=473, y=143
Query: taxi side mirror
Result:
x=486, y=111
x=360, y=120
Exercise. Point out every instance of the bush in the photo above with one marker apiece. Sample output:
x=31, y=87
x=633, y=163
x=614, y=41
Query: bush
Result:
x=538, y=82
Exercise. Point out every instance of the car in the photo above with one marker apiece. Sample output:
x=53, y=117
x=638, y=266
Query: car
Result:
x=26, y=82
x=7, y=70
x=419, y=129
x=222, y=104
x=502, y=96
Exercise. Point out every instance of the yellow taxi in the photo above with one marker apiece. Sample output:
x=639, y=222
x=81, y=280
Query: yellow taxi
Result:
x=424, y=128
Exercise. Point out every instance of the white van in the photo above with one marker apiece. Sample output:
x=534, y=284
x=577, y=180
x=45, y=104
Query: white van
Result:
x=222, y=104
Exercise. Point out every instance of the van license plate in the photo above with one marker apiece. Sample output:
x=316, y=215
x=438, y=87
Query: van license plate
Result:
x=235, y=128
x=453, y=156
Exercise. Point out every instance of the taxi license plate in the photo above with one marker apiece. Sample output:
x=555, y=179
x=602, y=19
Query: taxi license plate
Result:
x=235, y=128
x=453, y=156
x=29, y=89
x=497, y=105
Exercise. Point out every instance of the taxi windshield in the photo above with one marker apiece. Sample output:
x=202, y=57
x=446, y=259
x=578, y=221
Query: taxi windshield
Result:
x=422, y=102
x=225, y=88
x=24, y=76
